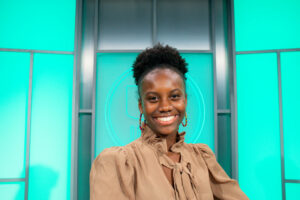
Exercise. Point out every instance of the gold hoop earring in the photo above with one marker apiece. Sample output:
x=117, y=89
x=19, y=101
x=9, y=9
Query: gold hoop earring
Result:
x=140, y=123
x=184, y=125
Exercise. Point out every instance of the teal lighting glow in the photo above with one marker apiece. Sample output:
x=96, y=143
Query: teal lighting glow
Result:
x=117, y=111
x=108, y=108
x=39, y=25
x=12, y=191
x=113, y=124
x=51, y=126
x=267, y=24
x=14, y=83
x=258, y=126
x=130, y=97
x=290, y=71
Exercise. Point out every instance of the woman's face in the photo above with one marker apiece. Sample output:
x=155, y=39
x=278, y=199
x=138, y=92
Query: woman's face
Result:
x=163, y=100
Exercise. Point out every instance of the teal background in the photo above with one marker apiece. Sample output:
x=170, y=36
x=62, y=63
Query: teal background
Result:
x=116, y=108
x=45, y=31
x=271, y=25
x=292, y=191
x=266, y=24
x=258, y=126
x=290, y=70
x=12, y=190
x=37, y=35
x=14, y=80
x=37, y=25
x=51, y=125
x=117, y=114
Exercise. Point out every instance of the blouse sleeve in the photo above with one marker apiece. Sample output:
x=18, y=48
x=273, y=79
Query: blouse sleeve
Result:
x=111, y=176
x=223, y=187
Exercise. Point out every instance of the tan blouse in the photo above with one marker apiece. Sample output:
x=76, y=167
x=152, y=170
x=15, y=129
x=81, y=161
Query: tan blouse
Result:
x=134, y=172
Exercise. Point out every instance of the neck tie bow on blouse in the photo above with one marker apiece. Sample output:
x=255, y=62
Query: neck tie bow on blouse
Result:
x=185, y=187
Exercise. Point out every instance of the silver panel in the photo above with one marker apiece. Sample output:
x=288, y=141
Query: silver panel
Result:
x=37, y=51
x=85, y=92
x=75, y=105
x=140, y=50
x=268, y=51
x=11, y=180
x=87, y=55
x=213, y=47
x=222, y=55
x=233, y=91
x=125, y=24
x=224, y=111
x=292, y=181
x=184, y=24
x=95, y=39
x=86, y=111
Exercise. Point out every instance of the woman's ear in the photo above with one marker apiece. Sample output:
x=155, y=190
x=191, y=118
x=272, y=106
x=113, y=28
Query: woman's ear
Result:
x=140, y=105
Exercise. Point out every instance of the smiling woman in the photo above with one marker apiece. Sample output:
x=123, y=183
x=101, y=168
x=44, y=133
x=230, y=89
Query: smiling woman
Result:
x=160, y=165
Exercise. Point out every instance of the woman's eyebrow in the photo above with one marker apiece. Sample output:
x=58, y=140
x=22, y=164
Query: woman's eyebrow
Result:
x=150, y=92
x=177, y=89
x=156, y=93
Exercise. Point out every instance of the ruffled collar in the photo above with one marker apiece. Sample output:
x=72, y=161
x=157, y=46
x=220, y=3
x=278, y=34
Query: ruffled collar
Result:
x=160, y=143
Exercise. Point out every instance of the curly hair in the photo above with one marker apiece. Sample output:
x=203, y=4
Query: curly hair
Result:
x=158, y=56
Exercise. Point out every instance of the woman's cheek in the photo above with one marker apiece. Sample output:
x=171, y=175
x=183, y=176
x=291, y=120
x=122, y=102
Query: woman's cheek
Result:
x=149, y=108
x=180, y=105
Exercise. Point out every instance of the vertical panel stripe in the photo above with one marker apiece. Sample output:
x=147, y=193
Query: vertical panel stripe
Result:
x=281, y=126
x=28, y=128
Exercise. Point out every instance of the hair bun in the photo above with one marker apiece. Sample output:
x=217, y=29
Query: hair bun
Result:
x=158, y=56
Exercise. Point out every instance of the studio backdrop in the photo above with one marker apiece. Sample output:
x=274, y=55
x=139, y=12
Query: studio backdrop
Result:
x=67, y=92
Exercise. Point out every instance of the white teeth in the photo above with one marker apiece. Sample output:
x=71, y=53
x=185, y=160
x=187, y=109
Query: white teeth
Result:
x=165, y=119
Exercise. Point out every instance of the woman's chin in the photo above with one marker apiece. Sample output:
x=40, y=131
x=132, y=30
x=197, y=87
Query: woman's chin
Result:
x=166, y=131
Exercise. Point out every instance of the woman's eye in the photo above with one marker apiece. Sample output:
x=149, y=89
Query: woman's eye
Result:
x=175, y=96
x=152, y=99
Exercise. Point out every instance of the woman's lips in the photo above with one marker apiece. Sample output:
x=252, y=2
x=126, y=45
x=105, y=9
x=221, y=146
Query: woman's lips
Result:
x=166, y=120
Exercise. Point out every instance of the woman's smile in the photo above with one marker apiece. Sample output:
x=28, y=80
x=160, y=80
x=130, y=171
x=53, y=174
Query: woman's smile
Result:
x=166, y=120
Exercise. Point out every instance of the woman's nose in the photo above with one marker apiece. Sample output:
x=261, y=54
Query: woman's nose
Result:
x=165, y=106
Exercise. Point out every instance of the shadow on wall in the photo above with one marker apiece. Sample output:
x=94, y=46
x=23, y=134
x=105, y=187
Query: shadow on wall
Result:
x=41, y=183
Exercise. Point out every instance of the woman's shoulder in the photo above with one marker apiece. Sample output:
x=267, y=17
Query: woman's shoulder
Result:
x=200, y=149
x=112, y=155
x=111, y=169
x=118, y=153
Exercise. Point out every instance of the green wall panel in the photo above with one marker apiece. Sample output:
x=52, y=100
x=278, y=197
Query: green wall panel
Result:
x=267, y=24
x=258, y=126
x=51, y=124
x=292, y=191
x=290, y=71
x=12, y=191
x=117, y=111
x=34, y=24
x=14, y=81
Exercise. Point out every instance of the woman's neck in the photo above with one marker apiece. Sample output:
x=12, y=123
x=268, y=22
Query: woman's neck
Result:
x=171, y=139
